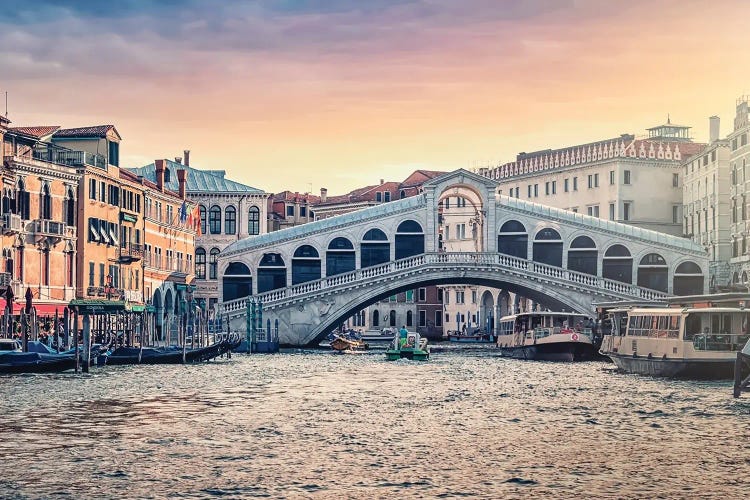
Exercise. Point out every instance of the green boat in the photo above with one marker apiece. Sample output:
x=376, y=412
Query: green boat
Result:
x=408, y=346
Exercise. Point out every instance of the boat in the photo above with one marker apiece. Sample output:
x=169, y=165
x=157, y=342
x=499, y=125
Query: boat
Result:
x=742, y=371
x=412, y=346
x=474, y=338
x=345, y=344
x=546, y=335
x=384, y=335
x=10, y=345
x=680, y=342
x=35, y=362
x=170, y=355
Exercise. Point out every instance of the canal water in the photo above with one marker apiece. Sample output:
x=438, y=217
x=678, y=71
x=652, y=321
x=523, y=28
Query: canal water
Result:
x=313, y=424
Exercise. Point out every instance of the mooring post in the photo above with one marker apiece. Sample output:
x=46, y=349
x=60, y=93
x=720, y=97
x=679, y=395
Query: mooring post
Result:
x=86, y=342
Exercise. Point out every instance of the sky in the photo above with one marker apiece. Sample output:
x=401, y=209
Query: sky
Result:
x=304, y=94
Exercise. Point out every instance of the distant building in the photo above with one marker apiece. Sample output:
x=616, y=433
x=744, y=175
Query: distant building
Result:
x=739, y=192
x=287, y=209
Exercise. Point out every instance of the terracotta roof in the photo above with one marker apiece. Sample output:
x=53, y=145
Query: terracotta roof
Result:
x=36, y=131
x=94, y=131
x=290, y=196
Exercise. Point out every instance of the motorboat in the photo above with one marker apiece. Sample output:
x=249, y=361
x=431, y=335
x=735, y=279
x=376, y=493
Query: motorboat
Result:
x=409, y=346
x=547, y=335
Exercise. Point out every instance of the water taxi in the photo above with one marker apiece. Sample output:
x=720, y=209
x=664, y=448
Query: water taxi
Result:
x=346, y=345
x=550, y=336
x=412, y=346
x=687, y=342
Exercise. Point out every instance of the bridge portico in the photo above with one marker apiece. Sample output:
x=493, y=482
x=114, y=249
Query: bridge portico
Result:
x=313, y=276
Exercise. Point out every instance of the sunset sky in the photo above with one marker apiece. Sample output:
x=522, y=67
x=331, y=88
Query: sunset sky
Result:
x=330, y=93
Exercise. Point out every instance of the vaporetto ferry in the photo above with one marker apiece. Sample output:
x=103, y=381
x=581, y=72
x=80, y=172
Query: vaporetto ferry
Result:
x=688, y=342
x=550, y=336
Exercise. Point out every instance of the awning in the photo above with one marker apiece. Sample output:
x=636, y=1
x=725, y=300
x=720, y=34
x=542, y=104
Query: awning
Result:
x=41, y=309
x=97, y=306
x=93, y=231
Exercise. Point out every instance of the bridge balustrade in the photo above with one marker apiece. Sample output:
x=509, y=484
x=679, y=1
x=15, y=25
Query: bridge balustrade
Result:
x=529, y=267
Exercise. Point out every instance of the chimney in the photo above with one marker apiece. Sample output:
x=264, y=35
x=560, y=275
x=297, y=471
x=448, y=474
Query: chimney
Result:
x=381, y=182
x=186, y=155
x=323, y=195
x=178, y=160
x=161, y=167
x=713, y=128
x=182, y=180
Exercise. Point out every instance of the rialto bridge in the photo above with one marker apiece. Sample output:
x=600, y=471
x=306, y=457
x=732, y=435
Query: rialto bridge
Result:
x=312, y=277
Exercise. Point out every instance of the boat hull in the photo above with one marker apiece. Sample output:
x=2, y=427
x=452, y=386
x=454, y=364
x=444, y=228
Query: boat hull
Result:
x=471, y=339
x=555, y=351
x=709, y=369
x=407, y=353
x=36, y=364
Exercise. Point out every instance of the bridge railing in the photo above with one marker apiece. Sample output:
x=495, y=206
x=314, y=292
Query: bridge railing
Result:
x=529, y=267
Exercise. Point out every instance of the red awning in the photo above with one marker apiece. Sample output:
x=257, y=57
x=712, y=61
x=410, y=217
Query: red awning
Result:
x=41, y=309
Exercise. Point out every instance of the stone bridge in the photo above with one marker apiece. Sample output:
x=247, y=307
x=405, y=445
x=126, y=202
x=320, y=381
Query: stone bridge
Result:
x=312, y=277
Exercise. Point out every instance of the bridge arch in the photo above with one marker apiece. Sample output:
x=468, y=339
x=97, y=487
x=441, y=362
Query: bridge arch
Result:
x=375, y=248
x=271, y=272
x=409, y=239
x=548, y=247
x=237, y=281
x=617, y=264
x=513, y=239
x=305, y=264
x=340, y=256
x=688, y=279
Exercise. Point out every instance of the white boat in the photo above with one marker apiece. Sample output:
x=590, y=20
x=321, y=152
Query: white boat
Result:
x=687, y=342
x=551, y=336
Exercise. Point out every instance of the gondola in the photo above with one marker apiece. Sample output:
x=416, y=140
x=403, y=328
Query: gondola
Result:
x=170, y=355
x=35, y=362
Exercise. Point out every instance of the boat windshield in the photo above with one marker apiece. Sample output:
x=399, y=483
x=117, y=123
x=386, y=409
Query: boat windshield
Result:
x=717, y=331
x=658, y=325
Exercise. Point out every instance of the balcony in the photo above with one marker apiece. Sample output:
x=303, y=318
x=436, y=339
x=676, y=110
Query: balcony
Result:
x=44, y=228
x=133, y=252
x=5, y=279
x=52, y=153
x=11, y=223
x=111, y=293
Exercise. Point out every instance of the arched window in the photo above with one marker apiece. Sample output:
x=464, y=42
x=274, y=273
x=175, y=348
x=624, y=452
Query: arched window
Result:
x=305, y=265
x=410, y=318
x=45, y=207
x=409, y=239
x=238, y=281
x=688, y=279
x=403, y=194
x=617, y=264
x=653, y=273
x=582, y=255
x=202, y=211
x=513, y=240
x=253, y=221
x=22, y=200
x=339, y=257
x=213, y=259
x=375, y=248
x=548, y=247
x=200, y=263
x=271, y=273
x=375, y=318
x=214, y=219
x=392, y=318
x=70, y=208
x=6, y=206
x=230, y=220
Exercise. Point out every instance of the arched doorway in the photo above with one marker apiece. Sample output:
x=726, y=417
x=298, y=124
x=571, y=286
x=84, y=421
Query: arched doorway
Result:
x=617, y=264
x=271, y=273
x=583, y=256
x=688, y=279
x=409, y=239
x=653, y=272
x=238, y=281
x=305, y=265
x=487, y=313
x=461, y=219
x=548, y=247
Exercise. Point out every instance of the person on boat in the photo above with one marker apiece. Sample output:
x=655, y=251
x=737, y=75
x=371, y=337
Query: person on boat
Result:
x=402, y=333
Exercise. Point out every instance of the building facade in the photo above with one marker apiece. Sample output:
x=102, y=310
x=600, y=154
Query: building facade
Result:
x=739, y=192
x=287, y=209
x=227, y=211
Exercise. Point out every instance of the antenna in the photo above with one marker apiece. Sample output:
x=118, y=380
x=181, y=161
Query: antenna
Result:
x=6, y=104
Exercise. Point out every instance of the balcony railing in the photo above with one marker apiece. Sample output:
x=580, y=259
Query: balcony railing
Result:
x=131, y=252
x=5, y=279
x=52, y=153
x=44, y=227
x=11, y=223
x=105, y=291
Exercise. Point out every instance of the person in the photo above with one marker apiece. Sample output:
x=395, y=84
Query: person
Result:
x=402, y=333
x=463, y=331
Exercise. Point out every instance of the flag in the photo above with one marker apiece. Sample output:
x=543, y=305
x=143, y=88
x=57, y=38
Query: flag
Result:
x=182, y=212
x=195, y=217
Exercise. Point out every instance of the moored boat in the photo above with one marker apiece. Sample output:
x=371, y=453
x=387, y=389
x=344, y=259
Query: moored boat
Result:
x=170, y=355
x=35, y=362
x=683, y=342
x=476, y=338
x=409, y=346
x=547, y=335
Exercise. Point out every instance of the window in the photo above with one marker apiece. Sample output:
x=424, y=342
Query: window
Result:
x=611, y=211
x=230, y=220
x=461, y=231
x=438, y=318
x=103, y=191
x=536, y=190
x=214, y=219
x=290, y=210
x=626, y=177
x=303, y=211
x=200, y=263
x=575, y=183
x=447, y=297
x=378, y=196
x=675, y=180
x=529, y=187
x=565, y=185
x=675, y=213
x=253, y=221
x=202, y=212
x=440, y=295
x=626, y=210
x=101, y=274
x=473, y=296
x=546, y=188
x=91, y=273
x=422, y=294
x=459, y=297
x=92, y=189
x=212, y=263
x=422, y=317
x=596, y=180
x=387, y=195
x=574, y=209
x=554, y=187
x=593, y=210
x=612, y=178
x=114, y=153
